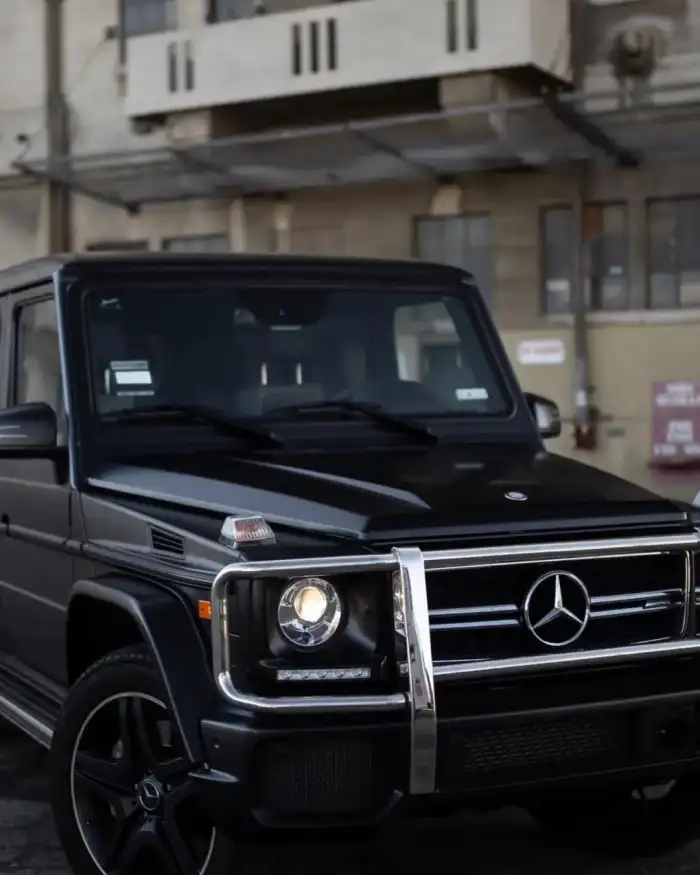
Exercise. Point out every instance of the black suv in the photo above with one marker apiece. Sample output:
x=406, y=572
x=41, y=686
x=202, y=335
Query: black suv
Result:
x=283, y=550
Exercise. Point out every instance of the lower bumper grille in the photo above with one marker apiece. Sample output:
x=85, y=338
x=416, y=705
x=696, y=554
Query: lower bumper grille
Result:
x=539, y=750
x=499, y=753
x=324, y=777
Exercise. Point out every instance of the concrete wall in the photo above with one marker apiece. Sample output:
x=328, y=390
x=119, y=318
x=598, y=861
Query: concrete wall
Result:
x=339, y=46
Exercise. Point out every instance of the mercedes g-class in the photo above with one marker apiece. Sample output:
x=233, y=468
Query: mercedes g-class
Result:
x=283, y=553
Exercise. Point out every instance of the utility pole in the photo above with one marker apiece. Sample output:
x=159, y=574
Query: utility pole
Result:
x=59, y=236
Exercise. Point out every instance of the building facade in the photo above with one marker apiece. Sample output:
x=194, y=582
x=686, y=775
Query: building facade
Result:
x=546, y=145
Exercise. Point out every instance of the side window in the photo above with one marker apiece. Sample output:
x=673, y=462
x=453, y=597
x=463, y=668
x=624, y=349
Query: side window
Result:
x=38, y=359
x=427, y=345
x=445, y=357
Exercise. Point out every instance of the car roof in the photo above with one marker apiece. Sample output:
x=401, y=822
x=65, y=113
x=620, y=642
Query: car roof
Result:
x=39, y=270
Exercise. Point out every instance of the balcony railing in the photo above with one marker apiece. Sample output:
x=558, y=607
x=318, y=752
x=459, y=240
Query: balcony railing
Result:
x=340, y=46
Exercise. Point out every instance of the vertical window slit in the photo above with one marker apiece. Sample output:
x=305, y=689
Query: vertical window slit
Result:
x=451, y=24
x=172, y=67
x=332, y=43
x=296, y=50
x=472, y=24
x=315, y=59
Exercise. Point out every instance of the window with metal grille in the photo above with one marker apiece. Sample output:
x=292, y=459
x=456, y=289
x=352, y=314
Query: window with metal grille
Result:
x=198, y=243
x=139, y=17
x=462, y=241
x=226, y=10
x=673, y=253
x=604, y=257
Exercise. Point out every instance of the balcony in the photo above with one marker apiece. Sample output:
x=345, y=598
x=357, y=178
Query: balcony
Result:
x=342, y=46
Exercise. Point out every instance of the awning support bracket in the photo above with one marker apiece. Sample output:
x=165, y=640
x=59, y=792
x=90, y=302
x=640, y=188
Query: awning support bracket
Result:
x=575, y=121
x=376, y=143
x=87, y=191
x=201, y=165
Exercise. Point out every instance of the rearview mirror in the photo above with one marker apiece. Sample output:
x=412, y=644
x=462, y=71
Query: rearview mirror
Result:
x=546, y=415
x=29, y=428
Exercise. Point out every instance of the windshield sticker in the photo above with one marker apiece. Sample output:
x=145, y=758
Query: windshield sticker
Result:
x=131, y=378
x=475, y=393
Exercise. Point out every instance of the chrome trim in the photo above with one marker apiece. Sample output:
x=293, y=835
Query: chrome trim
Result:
x=476, y=611
x=421, y=684
x=24, y=721
x=689, y=594
x=653, y=595
x=602, y=607
x=412, y=564
x=64, y=368
x=559, y=661
x=290, y=704
x=310, y=704
x=607, y=548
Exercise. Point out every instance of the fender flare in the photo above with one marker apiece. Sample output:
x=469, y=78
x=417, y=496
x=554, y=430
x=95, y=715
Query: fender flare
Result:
x=169, y=631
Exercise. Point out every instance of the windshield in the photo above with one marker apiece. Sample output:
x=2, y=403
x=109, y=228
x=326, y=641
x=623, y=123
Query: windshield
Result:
x=263, y=353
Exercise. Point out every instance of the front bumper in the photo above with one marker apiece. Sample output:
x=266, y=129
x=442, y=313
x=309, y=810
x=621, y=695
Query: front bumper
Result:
x=353, y=759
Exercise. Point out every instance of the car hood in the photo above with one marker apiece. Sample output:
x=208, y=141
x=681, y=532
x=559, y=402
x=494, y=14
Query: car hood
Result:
x=377, y=495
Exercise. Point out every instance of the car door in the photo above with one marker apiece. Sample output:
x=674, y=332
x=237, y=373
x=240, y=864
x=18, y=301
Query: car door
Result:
x=36, y=571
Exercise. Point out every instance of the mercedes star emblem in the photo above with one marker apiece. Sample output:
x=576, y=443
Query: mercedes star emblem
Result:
x=557, y=608
x=149, y=795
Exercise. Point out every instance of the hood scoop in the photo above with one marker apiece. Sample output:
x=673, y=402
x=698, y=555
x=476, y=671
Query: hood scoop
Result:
x=166, y=543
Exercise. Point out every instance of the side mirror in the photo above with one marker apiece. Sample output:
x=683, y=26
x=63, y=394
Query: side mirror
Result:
x=29, y=428
x=546, y=415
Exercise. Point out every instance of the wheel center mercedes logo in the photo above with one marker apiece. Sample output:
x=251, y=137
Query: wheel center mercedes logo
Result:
x=149, y=795
x=557, y=608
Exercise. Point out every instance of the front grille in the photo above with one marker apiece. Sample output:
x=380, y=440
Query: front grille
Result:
x=480, y=613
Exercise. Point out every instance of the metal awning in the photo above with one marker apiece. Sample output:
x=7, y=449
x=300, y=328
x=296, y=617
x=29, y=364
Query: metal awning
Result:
x=539, y=132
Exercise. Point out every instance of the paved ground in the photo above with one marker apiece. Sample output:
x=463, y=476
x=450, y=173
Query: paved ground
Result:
x=503, y=844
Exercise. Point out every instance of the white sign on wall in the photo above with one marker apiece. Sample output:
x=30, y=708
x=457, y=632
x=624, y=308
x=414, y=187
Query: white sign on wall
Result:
x=541, y=352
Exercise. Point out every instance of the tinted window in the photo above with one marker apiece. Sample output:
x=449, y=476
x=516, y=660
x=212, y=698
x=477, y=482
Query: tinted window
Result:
x=251, y=352
x=604, y=257
x=148, y=16
x=674, y=254
x=462, y=241
x=38, y=360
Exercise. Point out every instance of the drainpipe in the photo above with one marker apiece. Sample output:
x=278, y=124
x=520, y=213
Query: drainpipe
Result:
x=585, y=420
x=59, y=236
x=585, y=417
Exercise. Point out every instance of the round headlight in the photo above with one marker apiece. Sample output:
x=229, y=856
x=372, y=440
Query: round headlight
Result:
x=309, y=612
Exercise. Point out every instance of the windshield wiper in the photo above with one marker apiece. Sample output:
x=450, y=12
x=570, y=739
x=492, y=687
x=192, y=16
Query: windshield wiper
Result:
x=370, y=411
x=196, y=413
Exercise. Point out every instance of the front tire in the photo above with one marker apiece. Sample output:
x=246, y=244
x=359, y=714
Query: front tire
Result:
x=120, y=789
x=625, y=822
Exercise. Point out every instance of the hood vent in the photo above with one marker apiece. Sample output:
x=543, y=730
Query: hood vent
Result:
x=166, y=542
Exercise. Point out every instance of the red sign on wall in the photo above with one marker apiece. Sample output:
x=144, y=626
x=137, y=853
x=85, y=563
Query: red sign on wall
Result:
x=675, y=423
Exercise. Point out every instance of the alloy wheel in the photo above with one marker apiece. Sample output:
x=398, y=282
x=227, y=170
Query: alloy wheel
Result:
x=133, y=797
